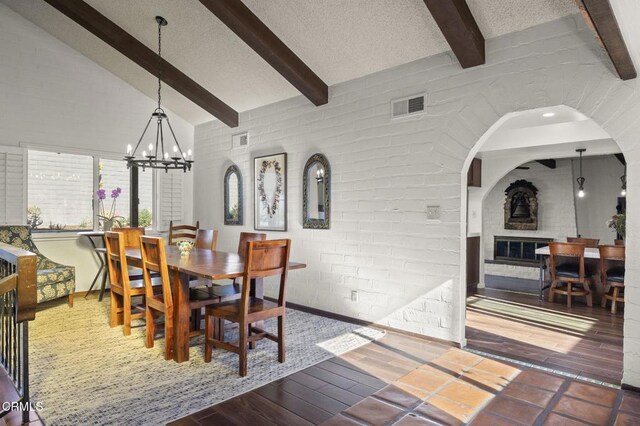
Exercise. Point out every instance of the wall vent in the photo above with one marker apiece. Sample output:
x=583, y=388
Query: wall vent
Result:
x=239, y=140
x=408, y=106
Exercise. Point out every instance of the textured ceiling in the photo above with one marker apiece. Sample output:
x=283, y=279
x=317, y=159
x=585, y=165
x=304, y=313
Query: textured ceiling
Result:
x=338, y=39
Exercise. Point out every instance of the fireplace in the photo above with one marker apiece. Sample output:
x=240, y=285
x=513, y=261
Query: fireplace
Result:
x=518, y=250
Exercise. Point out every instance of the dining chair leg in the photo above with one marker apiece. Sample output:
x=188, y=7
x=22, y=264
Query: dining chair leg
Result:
x=281, y=338
x=115, y=309
x=614, y=307
x=168, y=337
x=569, y=289
x=209, y=333
x=242, y=352
x=603, y=302
x=126, y=317
x=150, y=326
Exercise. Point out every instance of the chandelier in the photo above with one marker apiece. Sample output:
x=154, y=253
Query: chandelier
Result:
x=581, y=179
x=157, y=157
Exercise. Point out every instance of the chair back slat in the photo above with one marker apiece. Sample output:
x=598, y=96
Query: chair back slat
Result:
x=246, y=237
x=182, y=232
x=266, y=259
x=588, y=242
x=131, y=236
x=206, y=239
x=154, y=259
x=117, y=261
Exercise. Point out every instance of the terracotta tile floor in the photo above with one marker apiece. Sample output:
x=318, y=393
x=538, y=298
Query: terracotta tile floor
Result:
x=403, y=380
x=463, y=388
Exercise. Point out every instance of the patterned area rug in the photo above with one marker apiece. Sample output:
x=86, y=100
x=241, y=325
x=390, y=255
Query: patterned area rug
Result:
x=83, y=372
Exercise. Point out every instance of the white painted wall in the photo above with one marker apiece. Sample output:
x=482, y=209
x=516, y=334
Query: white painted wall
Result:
x=556, y=212
x=53, y=97
x=602, y=189
x=409, y=271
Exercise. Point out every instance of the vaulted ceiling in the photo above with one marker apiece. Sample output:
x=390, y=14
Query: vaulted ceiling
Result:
x=338, y=39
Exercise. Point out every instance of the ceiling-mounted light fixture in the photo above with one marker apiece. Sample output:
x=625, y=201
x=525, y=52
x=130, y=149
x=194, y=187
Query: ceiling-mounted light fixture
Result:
x=581, y=179
x=158, y=157
x=623, y=178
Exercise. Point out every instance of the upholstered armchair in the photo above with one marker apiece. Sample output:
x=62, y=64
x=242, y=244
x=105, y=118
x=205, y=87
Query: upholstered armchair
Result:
x=54, y=279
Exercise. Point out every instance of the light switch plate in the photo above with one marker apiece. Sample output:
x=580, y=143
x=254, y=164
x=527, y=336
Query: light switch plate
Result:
x=433, y=212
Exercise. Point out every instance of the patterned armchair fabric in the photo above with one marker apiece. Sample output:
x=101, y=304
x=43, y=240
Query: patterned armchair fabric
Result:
x=54, y=279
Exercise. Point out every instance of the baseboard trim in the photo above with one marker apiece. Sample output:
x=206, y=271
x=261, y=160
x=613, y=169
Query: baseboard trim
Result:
x=344, y=318
x=631, y=388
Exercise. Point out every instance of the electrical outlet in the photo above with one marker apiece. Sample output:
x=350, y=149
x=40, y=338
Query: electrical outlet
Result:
x=354, y=295
x=433, y=212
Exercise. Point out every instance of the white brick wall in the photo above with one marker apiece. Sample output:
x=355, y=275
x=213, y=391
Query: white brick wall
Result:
x=386, y=173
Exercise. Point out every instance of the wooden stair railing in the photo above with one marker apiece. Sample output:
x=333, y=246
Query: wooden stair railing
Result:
x=18, y=300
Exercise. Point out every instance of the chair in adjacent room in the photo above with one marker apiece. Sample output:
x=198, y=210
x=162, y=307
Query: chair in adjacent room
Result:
x=182, y=232
x=206, y=239
x=568, y=273
x=263, y=259
x=131, y=236
x=612, y=263
x=123, y=289
x=245, y=237
x=588, y=242
x=159, y=300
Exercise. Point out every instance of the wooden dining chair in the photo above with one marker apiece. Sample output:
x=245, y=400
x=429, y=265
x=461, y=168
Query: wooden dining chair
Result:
x=612, y=263
x=206, y=239
x=182, y=232
x=263, y=259
x=154, y=260
x=588, y=242
x=566, y=266
x=123, y=289
x=131, y=236
x=245, y=237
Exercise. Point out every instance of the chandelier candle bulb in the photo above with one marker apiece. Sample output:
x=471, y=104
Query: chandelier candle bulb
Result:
x=129, y=149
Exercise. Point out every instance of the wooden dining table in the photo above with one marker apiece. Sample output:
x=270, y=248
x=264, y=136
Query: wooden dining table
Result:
x=201, y=263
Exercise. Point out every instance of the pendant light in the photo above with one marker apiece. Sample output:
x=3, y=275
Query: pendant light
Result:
x=581, y=179
x=623, y=178
x=157, y=157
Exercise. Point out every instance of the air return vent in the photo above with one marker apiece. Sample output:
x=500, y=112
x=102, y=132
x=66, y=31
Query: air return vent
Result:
x=408, y=106
x=239, y=140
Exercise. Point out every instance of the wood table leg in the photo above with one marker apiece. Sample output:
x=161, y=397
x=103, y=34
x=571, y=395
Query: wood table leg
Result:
x=181, y=314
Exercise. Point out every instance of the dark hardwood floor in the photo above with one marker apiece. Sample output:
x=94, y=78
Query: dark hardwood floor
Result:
x=580, y=340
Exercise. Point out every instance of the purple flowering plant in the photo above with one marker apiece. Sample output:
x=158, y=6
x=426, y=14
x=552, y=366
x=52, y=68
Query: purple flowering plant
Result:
x=108, y=218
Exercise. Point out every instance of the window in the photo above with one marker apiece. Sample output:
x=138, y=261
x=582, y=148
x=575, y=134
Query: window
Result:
x=62, y=191
x=59, y=191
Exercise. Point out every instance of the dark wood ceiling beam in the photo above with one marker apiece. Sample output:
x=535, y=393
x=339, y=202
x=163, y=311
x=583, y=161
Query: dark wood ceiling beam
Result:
x=459, y=29
x=547, y=163
x=599, y=16
x=239, y=18
x=100, y=26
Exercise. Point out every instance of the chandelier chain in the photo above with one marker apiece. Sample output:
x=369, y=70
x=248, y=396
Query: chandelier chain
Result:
x=159, y=62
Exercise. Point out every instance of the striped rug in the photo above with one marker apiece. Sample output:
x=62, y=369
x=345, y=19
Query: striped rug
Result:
x=85, y=373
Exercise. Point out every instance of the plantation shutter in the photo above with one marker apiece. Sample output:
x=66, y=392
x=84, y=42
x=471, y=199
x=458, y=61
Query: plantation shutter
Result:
x=13, y=183
x=169, y=198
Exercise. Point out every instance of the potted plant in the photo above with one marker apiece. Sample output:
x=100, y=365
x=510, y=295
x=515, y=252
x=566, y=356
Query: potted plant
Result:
x=617, y=223
x=108, y=218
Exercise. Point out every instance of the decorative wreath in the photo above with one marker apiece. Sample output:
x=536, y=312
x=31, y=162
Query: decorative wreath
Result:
x=271, y=208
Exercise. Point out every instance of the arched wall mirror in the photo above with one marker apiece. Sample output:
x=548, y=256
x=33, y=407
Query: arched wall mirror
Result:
x=316, y=193
x=233, y=208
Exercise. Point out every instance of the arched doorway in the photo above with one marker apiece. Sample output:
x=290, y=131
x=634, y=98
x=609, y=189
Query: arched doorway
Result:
x=518, y=138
